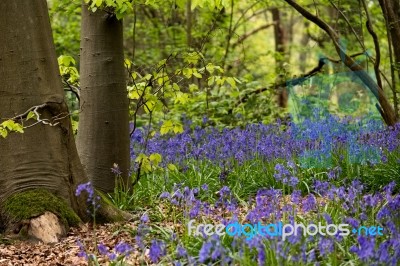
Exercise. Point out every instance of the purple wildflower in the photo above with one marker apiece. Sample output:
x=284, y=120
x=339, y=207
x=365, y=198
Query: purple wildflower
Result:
x=157, y=250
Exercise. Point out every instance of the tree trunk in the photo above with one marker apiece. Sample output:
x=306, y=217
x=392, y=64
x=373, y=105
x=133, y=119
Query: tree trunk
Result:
x=103, y=134
x=391, y=12
x=44, y=156
x=280, y=56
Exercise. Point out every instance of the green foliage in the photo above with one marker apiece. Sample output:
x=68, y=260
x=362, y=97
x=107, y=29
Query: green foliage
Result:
x=10, y=126
x=68, y=70
x=32, y=203
x=119, y=7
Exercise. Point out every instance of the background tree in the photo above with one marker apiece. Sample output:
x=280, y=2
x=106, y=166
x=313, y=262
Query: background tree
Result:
x=103, y=135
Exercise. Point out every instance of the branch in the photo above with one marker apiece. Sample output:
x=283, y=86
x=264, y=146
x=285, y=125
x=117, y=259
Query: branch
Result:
x=284, y=84
x=349, y=24
x=389, y=115
x=296, y=81
x=73, y=89
x=245, y=36
x=376, y=44
x=54, y=121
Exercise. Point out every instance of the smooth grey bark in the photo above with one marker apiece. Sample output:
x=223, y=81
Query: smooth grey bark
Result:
x=103, y=133
x=43, y=156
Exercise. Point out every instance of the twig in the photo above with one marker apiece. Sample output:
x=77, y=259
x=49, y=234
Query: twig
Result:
x=376, y=44
x=245, y=36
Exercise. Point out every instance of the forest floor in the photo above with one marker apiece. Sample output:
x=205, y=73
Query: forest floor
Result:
x=14, y=252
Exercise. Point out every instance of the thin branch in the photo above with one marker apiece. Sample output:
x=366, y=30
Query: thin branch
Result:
x=388, y=111
x=245, y=36
x=376, y=45
x=349, y=24
x=75, y=90
x=293, y=82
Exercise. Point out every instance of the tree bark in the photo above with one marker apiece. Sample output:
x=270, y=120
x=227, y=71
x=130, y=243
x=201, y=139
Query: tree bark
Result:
x=391, y=12
x=281, y=53
x=43, y=156
x=103, y=133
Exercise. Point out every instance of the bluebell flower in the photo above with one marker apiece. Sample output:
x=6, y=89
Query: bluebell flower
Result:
x=181, y=252
x=116, y=170
x=204, y=187
x=365, y=249
x=157, y=250
x=309, y=203
x=144, y=218
x=82, y=250
x=326, y=246
x=205, y=251
x=103, y=250
x=123, y=248
x=165, y=195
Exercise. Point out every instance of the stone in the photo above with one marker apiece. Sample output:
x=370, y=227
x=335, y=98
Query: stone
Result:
x=47, y=228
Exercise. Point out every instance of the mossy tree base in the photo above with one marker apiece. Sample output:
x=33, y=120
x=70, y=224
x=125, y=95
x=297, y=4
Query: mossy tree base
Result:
x=23, y=211
x=25, y=214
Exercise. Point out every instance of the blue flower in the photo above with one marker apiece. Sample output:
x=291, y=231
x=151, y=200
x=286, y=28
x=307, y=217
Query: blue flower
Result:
x=181, y=252
x=157, y=250
x=144, y=218
x=123, y=248
x=365, y=249
x=165, y=195
x=103, y=250
x=204, y=252
x=116, y=170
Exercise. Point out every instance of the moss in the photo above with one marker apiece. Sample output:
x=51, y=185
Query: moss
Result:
x=32, y=203
x=5, y=241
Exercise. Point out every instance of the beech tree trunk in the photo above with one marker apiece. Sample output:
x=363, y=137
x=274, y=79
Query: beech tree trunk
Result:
x=43, y=156
x=103, y=133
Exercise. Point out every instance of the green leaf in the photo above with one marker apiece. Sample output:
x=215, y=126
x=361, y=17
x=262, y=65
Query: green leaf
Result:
x=211, y=81
x=196, y=3
x=187, y=72
x=119, y=15
x=172, y=167
x=178, y=128
x=182, y=98
x=9, y=124
x=155, y=158
x=176, y=87
x=66, y=60
x=128, y=63
x=162, y=62
x=18, y=128
x=148, y=76
x=196, y=74
x=166, y=127
x=141, y=157
x=3, y=132
x=193, y=87
x=231, y=82
x=133, y=95
x=31, y=115
x=98, y=2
